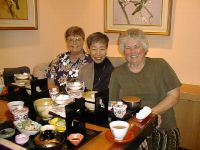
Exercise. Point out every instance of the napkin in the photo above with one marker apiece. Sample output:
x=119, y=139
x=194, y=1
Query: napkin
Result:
x=143, y=113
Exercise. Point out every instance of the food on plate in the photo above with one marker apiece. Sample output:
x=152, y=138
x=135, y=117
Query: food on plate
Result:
x=28, y=125
x=59, y=123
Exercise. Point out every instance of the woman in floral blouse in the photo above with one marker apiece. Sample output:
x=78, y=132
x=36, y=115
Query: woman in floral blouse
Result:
x=66, y=65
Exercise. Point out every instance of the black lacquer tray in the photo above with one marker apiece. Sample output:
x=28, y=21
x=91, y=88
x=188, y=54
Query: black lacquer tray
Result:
x=90, y=134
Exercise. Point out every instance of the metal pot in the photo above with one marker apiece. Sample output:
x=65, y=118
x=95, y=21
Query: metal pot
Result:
x=133, y=103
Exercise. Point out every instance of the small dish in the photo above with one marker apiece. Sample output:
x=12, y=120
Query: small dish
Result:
x=27, y=127
x=75, y=85
x=61, y=99
x=6, y=133
x=75, y=138
x=129, y=136
x=21, y=138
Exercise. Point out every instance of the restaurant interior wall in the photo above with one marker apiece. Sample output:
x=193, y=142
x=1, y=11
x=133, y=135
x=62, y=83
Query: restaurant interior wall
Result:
x=30, y=47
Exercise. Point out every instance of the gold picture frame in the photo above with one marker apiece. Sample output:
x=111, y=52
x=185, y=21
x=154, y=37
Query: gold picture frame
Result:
x=28, y=23
x=153, y=17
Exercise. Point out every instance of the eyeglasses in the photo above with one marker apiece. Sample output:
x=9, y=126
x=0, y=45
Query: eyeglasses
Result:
x=74, y=39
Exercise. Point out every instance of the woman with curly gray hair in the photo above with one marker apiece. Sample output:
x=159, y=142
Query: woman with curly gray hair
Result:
x=153, y=81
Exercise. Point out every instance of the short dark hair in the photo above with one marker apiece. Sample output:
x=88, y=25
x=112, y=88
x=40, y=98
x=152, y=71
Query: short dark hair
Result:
x=97, y=37
x=74, y=31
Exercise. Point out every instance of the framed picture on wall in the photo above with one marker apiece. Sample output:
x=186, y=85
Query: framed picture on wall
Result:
x=18, y=15
x=151, y=16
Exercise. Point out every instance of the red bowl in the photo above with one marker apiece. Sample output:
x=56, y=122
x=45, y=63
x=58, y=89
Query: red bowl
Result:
x=75, y=138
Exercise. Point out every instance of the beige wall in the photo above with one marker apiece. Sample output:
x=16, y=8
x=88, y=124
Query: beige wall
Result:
x=30, y=47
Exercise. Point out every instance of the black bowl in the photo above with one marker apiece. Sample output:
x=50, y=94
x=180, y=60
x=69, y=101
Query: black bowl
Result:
x=133, y=103
x=49, y=139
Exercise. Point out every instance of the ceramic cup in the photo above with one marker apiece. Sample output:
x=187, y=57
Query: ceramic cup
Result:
x=20, y=113
x=119, y=129
x=119, y=109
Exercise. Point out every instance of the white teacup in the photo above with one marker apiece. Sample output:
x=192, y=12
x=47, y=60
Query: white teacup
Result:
x=119, y=129
x=119, y=109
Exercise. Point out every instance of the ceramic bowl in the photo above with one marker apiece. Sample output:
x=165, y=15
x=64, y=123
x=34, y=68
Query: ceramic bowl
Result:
x=61, y=99
x=20, y=113
x=47, y=127
x=15, y=104
x=75, y=138
x=42, y=107
x=22, y=76
x=27, y=127
x=6, y=133
x=75, y=85
x=119, y=129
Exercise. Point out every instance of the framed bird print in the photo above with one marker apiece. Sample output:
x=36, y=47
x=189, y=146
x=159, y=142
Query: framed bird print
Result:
x=151, y=16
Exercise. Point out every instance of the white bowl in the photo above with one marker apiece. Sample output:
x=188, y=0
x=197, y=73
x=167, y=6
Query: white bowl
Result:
x=62, y=98
x=75, y=85
x=15, y=104
x=28, y=128
x=47, y=127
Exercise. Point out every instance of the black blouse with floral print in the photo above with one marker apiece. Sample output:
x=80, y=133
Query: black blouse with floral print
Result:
x=61, y=69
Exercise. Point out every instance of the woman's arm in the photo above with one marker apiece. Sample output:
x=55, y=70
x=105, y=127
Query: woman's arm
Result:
x=169, y=101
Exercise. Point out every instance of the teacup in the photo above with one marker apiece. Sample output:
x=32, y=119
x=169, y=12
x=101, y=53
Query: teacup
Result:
x=20, y=113
x=119, y=129
x=119, y=109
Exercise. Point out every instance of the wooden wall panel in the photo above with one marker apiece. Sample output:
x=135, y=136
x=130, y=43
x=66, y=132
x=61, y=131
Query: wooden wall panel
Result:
x=187, y=113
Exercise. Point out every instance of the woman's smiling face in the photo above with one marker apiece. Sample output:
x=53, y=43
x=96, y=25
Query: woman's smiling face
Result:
x=134, y=52
x=75, y=43
x=98, y=52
